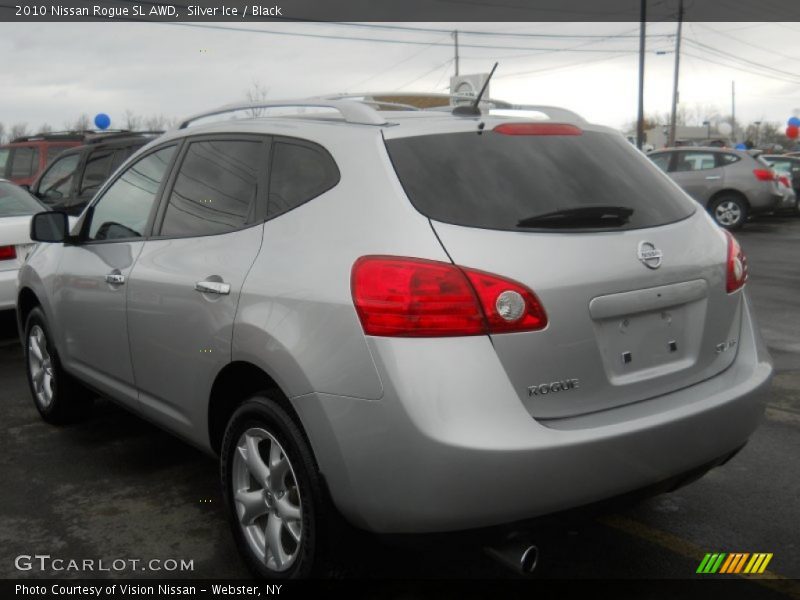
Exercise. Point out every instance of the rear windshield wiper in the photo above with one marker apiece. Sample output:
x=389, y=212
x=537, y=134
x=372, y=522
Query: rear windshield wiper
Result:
x=580, y=218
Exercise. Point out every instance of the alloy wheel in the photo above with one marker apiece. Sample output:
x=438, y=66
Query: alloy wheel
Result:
x=40, y=367
x=267, y=499
x=728, y=213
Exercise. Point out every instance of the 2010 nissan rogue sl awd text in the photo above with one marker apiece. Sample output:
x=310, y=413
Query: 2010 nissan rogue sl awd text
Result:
x=418, y=320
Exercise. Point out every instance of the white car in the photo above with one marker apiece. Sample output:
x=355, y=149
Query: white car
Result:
x=16, y=208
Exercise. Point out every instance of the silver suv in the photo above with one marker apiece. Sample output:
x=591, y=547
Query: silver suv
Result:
x=419, y=320
x=731, y=184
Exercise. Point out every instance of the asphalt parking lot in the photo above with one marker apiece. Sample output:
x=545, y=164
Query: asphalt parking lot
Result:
x=116, y=487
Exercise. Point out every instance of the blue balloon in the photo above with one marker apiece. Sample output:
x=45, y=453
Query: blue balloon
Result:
x=102, y=121
x=794, y=121
x=741, y=147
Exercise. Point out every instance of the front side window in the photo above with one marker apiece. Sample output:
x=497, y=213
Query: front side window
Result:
x=124, y=209
x=661, y=160
x=56, y=183
x=24, y=162
x=97, y=170
x=216, y=188
x=300, y=171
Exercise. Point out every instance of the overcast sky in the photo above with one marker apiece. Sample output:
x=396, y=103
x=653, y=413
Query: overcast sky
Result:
x=52, y=72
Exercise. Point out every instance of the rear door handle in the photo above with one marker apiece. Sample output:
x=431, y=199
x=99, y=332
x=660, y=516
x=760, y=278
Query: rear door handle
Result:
x=714, y=177
x=213, y=287
x=115, y=278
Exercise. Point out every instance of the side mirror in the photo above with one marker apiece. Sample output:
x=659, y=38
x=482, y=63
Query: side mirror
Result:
x=51, y=226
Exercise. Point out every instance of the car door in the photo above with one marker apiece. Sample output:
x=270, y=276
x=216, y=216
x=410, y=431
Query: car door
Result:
x=89, y=291
x=698, y=173
x=184, y=289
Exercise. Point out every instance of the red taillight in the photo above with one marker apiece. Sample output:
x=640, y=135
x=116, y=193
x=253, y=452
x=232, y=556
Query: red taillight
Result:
x=736, y=265
x=411, y=297
x=537, y=129
x=8, y=252
x=764, y=174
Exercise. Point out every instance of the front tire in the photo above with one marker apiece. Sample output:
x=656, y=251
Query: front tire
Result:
x=272, y=490
x=57, y=396
x=729, y=211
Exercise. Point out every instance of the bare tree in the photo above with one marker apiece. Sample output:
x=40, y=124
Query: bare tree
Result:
x=45, y=128
x=257, y=93
x=18, y=130
x=82, y=123
x=155, y=122
x=2, y=133
x=132, y=120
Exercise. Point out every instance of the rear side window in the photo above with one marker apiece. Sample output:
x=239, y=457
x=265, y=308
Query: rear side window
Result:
x=300, y=171
x=216, y=188
x=4, y=152
x=727, y=159
x=661, y=160
x=24, y=162
x=497, y=181
x=695, y=161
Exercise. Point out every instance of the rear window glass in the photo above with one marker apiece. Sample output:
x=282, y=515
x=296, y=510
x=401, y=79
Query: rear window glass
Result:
x=14, y=201
x=24, y=162
x=499, y=181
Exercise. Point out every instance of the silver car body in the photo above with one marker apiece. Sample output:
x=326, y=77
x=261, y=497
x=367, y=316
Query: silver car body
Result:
x=423, y=434
x=705, y=179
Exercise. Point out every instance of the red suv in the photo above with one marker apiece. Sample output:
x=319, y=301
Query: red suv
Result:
x=25, y=157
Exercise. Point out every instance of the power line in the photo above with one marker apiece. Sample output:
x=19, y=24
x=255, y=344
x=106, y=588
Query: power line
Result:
x=746, y=43
x=381, y=40
x=742, y=69
x=723, y=54
x=437, y=67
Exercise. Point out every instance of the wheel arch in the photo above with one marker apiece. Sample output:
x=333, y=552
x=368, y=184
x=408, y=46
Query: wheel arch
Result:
x=235, y=383
x=27, y=300
x=728, y=192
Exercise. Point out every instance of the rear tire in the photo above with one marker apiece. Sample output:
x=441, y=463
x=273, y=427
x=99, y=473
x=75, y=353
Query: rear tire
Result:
x=58, y=397
x=279, y=524
x=729, y=211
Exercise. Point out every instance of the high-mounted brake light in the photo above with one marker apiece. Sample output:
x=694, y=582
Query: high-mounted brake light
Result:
x=411, y=297
x=537, y=129
x=8, y=252
x=764, y=174
x=736, y=265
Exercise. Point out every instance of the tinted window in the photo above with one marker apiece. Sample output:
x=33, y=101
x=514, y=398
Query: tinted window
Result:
x=216, y=188
x=98, y=167
x=497, y=181
x=661, y=160
x=300, y=171
x=695, y=161
x=24, y=162
x=3, y=159
x=125, y=207
x=56, y=183
x=53, y=151
x=15, y=201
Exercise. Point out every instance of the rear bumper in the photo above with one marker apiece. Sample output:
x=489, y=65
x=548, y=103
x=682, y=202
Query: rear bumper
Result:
x=451, y=447
x=765, y=202
x=8, y=289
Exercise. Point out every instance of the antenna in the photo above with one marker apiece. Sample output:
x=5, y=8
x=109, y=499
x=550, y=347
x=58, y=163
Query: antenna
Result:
x=473, y=109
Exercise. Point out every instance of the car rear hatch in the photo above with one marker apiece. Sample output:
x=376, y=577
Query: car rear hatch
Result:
x=631, y=274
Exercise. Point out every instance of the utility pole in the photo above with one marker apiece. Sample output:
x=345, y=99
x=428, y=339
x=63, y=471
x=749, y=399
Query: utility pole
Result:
x=671, y=140
x=642, y=35
x=733, y=111
x=455, y=39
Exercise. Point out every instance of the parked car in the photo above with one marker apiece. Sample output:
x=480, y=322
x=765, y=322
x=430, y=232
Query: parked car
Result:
x=70, y=181
x=422, y=321
x=24, y=158
x=787, y=167
x=16, y=208
x=731, y=184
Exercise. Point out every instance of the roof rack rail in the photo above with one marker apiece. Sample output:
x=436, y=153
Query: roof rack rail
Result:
x=352, y=112
x=102, y=136
x=68, y=136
